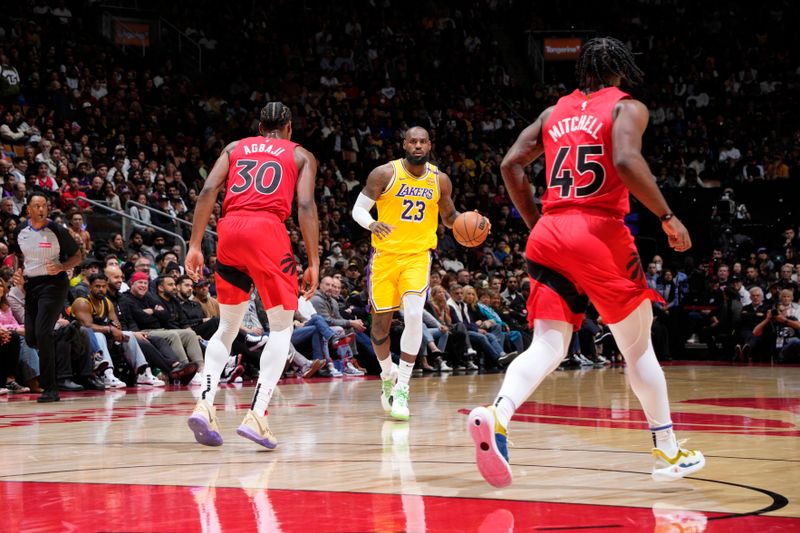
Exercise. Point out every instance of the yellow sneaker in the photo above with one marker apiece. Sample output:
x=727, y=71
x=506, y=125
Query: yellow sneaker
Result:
x=203, y=422
x=256, y=429
x=684, y=463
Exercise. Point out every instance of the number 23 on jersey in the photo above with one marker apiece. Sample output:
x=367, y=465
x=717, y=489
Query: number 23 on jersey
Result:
x=413, y=211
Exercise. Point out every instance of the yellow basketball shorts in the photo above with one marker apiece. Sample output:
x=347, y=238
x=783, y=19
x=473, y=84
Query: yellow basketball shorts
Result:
x=390, y=276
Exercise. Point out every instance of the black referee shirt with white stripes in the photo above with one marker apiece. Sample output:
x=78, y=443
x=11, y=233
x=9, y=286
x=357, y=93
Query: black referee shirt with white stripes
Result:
x=51, y=244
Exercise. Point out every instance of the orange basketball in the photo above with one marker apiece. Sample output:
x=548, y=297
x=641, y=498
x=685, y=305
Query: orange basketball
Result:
x=470, y=229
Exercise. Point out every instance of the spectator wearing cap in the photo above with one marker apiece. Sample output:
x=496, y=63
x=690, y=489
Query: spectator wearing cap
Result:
x=172, y=270
x=738, y=286
x=177, y=206
x=353, y=275
x=208, y=303
x=146, y=312
x=192, y=315
x=80, y=283
x=164, y=217
x=158, y=247
x=763, y=258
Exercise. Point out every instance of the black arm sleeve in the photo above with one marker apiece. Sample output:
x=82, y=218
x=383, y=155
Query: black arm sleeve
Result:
x=65, y=241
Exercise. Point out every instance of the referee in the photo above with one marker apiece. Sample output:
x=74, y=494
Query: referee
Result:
x=49, y=251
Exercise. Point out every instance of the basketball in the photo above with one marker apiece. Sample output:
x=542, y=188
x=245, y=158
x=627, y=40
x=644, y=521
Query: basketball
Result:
x=470, y=229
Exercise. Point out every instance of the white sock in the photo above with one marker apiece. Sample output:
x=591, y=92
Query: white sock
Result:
x=273, y=358
x=406, y=369
x=504, y=410
x=386, y=367
x=273, y=361
x=528, y=370
x=219, y=348
x=664, y=439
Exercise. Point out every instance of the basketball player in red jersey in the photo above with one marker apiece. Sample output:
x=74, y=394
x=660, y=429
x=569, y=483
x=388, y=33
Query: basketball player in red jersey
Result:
x=259, y=176
x=580, y=249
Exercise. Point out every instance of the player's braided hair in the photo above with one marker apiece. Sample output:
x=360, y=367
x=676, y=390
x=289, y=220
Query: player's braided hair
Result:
x=275, y=115
x=603, y=57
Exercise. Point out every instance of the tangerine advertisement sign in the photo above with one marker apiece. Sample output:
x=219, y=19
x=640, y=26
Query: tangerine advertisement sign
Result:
x=129, y=33
x=562, y=49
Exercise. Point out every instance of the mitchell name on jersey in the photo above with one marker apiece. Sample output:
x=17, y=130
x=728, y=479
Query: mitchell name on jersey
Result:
x=587, y=123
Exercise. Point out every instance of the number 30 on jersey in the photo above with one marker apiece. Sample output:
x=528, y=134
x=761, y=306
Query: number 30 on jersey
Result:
x=266, y=180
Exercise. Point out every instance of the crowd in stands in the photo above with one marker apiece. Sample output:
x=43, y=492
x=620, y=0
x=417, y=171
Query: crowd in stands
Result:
x=87, y=124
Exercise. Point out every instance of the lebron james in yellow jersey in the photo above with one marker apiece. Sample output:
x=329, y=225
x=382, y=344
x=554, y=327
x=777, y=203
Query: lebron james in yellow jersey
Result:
x=410, y=194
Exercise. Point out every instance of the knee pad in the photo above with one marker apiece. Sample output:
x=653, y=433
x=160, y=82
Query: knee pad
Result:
x=411, y=340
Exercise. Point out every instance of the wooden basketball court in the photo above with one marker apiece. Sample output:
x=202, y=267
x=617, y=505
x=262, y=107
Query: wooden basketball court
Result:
x=125, y=461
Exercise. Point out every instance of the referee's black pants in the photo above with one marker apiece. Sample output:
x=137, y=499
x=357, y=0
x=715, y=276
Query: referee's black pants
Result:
x=45, y=297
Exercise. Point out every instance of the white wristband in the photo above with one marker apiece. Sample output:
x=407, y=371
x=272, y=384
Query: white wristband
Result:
x=361, y=211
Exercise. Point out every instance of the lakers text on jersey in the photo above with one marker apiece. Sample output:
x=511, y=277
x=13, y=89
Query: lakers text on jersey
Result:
x=410, y=204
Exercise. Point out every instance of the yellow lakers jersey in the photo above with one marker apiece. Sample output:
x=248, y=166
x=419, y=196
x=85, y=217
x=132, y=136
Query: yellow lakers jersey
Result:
x=411, y=205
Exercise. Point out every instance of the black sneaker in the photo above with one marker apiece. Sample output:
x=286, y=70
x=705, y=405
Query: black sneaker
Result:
x=15, y=388
x=48, y=396
x=601, y=336
x=506, y=358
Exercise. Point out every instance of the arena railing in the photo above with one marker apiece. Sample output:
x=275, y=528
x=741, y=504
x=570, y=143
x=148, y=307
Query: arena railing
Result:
x=125, y=216
x=160, y=212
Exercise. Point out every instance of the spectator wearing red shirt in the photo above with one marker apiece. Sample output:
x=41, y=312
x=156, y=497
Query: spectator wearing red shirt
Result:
x=71, y=196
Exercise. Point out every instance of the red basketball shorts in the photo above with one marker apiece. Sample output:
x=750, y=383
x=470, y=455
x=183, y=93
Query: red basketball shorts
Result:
x=254, y=248
x=575, y=257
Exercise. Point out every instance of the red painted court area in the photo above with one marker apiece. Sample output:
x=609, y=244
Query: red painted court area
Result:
x=49, y=507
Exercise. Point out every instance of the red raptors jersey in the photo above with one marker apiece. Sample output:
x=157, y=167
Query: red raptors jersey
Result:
x=579, y=155
x=262, y=176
